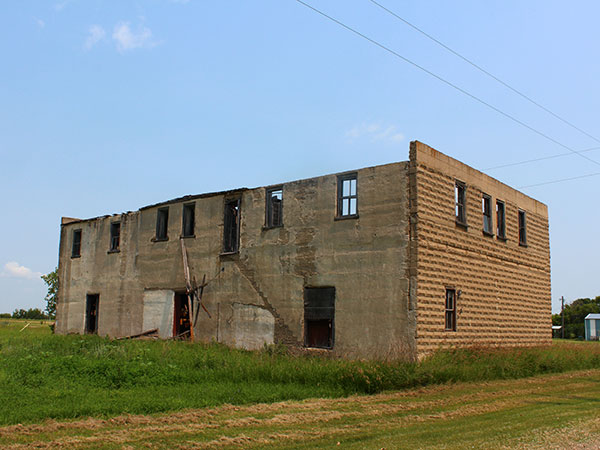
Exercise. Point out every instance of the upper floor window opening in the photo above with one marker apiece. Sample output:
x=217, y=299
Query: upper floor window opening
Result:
x=500, y=219
x=460, y=200
x=162, y=224
x=486, y=206
x=274, y=207
x=231, y=226
x=76, y=247
x=189, y=220
x=347, y=195
x=522, y=228
x=115, y=236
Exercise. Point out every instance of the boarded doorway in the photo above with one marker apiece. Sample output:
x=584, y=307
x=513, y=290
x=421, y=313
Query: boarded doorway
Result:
x=181, y=316
x=91, y=313
x=319, y=310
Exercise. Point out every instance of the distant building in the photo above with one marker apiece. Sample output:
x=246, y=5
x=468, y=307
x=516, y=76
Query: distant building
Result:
x=592, y=327
x=386, y=261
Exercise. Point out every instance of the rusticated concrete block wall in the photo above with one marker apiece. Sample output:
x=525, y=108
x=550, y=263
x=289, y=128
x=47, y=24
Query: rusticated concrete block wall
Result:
x=505, y=288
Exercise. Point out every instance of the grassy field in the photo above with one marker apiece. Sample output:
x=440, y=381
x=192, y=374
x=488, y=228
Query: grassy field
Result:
x=545, y=412
x=61, y=377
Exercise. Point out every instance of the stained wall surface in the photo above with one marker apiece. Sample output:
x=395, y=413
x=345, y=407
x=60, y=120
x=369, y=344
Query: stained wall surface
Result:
x=504, y=287
x=255, y=296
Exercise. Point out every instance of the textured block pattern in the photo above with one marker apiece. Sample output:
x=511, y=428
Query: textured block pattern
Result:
x=505, y=294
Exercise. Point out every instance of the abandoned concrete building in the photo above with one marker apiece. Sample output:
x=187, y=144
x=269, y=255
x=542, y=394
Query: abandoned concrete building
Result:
x=387, y=261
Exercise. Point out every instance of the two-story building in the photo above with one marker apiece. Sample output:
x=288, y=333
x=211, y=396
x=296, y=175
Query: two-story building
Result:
x=387, y=261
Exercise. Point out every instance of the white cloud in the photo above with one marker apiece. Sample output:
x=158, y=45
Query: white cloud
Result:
x=95, y=34
x=126, y=39
x=59, y=6
x=375, y=132
x=40, y=23
x=15, y=270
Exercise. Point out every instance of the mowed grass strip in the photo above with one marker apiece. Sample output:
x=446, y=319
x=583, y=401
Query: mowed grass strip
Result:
x=44, y=376
x=550, y=411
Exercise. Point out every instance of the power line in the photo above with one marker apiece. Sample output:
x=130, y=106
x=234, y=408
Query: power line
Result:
x=560, y=181
x=539, y=159
x=481, y=69
x=483, y=102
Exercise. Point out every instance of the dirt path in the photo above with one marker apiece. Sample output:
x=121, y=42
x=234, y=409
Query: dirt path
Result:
x=558, y=411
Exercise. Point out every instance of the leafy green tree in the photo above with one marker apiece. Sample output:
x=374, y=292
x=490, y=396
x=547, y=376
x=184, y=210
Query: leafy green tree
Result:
x=51, y=280
x=31, y=314
x=575, y=313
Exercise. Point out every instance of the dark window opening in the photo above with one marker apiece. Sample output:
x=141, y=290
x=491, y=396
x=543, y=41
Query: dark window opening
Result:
x=450, y=310
x=189, y=220
x=231, y=231
x=319, y=311
x=76, y=248
x=162, y=224
x=486, y=206
x=181, y=316
x=274, y=208
x=347, y=205
x=460, y=194
x=500, y=220
x=91, y=313
x=522, y=228
x=115, y=236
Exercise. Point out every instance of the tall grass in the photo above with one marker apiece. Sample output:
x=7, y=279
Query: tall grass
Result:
x=45, y=376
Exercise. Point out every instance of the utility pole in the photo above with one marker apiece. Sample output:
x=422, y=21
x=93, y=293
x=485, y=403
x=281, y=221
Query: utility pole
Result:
x=562, y=315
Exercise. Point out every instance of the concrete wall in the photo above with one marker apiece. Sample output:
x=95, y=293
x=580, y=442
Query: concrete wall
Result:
x=505, y=297
x=255, y=296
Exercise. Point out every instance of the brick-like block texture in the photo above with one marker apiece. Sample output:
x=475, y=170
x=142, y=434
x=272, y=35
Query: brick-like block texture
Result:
x=505, y=287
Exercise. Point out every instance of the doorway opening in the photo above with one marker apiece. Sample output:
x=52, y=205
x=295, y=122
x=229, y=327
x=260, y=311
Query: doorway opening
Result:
x=181, y=316
x=91, y=313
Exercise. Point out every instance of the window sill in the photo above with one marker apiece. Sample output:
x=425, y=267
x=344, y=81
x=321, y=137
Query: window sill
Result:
x=450, y=331
x=488, y=234
x=75, y=256
x=462, y=224
x=114, y=251
x=265, y=228
x=501, y=238
x=154, y=239
x=237, y=252
x=523, y=244
x=189, y=236
x=349, y=216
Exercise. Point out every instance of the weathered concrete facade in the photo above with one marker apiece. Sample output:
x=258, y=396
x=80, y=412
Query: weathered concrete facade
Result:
x=385, y=249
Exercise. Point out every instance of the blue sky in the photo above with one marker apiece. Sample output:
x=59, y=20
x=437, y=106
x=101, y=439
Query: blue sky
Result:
x=108, y=106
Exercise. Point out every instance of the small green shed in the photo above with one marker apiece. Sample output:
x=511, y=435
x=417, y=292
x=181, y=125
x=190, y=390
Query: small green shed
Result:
x=592, y=327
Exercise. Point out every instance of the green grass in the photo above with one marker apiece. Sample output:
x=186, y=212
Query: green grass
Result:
x=48, y=376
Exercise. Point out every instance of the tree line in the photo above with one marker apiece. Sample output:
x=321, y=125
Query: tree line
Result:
x=31, y=313
x=575, y=313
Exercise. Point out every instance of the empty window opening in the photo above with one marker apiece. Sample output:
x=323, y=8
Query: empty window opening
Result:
x=486, y=206
x=319, y=311
x=347, y=196
x=522, y=228
x=500, y=219
x=460, y=191
x=189, y=220
x=76, y=248
x=231, y=231
x=162, y=224
x=181, y=316
x=91, y=313
x=115, y=236
x=450, y=310
x=274, y=208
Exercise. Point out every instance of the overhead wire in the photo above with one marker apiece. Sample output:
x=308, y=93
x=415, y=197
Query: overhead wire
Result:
x=527, y=161
x=481, y=69
x=560, y=181
x=443, y=80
